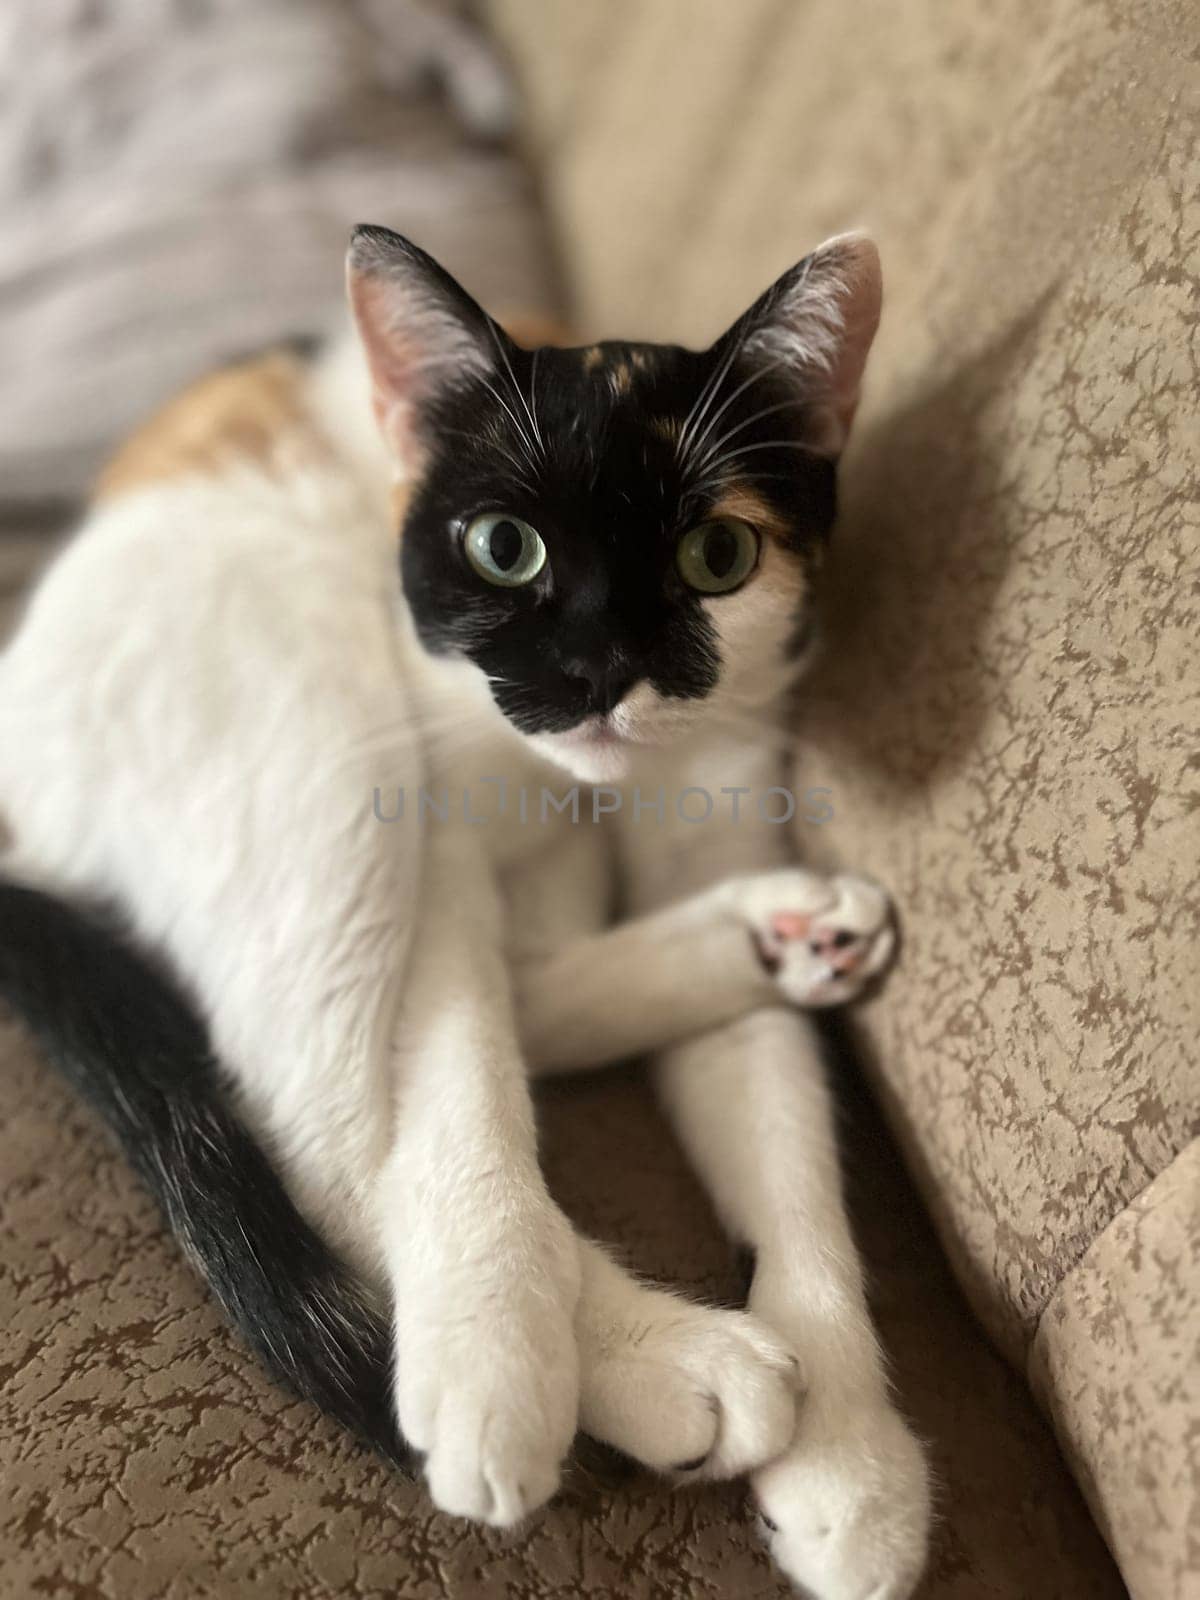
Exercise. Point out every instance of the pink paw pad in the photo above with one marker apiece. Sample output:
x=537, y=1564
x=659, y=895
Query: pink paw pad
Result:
x=840, y=949
x=790, y=925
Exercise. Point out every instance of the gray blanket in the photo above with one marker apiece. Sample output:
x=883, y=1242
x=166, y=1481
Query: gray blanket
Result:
x=177, y=180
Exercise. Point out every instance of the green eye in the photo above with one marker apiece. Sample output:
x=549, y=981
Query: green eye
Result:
x=504, y=550
x=717, y=556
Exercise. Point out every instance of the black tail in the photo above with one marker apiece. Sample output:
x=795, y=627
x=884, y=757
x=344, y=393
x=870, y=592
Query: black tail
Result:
x=131, y=1045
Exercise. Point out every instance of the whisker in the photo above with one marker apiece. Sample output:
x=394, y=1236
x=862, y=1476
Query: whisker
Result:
x=513, y=418
x=522, y=468
x=533, y=366
x=515, y=386
x=705, y=398
x=755, y=376
x=767, y=411
x=770, y=444
x=487, y=443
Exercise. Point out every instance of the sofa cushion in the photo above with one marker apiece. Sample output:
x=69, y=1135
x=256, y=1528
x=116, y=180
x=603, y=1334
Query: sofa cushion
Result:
x=1007, y=704
x=1117, y=1363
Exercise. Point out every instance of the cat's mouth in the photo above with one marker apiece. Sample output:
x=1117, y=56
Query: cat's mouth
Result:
x=598, y=732
x=598, y=749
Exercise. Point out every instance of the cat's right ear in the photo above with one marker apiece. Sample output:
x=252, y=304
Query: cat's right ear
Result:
x=814, y=327
x=420, y=330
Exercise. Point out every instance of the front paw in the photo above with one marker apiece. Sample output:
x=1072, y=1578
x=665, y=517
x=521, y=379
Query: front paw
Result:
x=820, y=940
x=487, y=1382
x=845, y=1512
x=686, y=1389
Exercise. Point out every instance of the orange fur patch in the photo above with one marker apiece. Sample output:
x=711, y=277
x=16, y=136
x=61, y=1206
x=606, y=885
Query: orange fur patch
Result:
x=740, y=501
x=242, y=412
x=401, y=494
x=621, y=377
x=532, y=328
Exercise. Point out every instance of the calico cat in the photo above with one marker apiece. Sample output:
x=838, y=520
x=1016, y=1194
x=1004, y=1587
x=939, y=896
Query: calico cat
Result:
x=350, y=819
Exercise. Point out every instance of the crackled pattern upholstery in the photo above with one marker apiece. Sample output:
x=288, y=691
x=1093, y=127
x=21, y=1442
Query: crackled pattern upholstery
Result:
x=1117, y=1360
x=1008, y=704
x=144, y=1457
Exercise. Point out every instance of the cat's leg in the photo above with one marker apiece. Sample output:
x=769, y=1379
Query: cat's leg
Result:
x=751, y=941
x=847, y=1506
x=484, y=1268
x=683, y=1388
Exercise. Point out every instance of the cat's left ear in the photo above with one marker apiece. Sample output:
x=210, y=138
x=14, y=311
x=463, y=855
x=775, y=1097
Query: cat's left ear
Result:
x=420, y=330
x=815, y=326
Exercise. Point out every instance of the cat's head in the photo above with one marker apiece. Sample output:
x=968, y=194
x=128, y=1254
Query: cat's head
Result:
x=622, y=537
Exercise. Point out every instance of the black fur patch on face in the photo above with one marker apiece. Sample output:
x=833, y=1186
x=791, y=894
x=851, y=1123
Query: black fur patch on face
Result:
x=611, y=452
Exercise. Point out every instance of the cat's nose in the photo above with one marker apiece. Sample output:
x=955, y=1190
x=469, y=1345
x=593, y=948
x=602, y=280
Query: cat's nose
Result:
x=601, y=682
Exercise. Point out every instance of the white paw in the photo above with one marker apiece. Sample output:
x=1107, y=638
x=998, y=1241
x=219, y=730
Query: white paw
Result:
x=687, y=1389
x=821, y=940
x=487, y=1382
x=846, y=1512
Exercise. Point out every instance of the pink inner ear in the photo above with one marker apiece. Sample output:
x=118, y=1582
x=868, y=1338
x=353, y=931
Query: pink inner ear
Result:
x=854, y=260
x=416, y=338
x=393, y=355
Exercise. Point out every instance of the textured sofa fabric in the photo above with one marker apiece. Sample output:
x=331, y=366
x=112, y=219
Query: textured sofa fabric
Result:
x=1008, y=701
x=1115, y=1361
x=143, y=1456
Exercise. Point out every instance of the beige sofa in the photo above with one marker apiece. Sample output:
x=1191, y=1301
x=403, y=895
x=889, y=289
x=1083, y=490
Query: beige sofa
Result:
x=1009, y=703
x=1002, y=717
